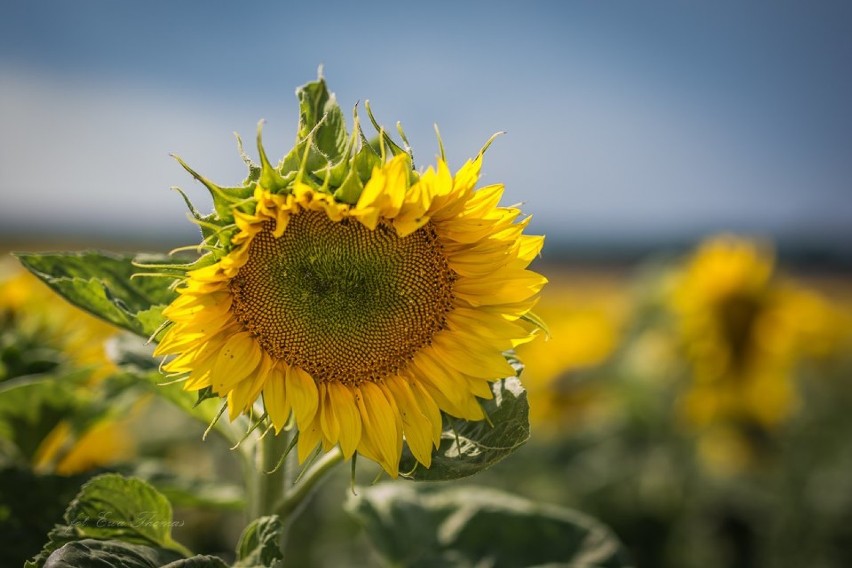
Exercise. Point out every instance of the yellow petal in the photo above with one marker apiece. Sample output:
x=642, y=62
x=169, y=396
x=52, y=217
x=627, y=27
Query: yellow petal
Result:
x=275, y=399
x=366, y=446
x=484, y=200
x=479, y=387
x=446, y=387
x=415, y=425
x=472, y=229
x=174, y=341
x=343, y=400
x=303, y=395
x=530, y=246
x=190, y=360
x=467, y=176
x=239, y=357
x=484, y=324
x=328, y=416
x=384, y=431
x=309, y=436
x=428, y=408
x=486, y=365
x=245, y=392
x=386, y=189
x=499, y=289
x=190, y=305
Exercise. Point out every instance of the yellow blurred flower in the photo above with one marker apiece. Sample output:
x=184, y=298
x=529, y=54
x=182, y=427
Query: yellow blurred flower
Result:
x=32, y=309
x=743, y=330
x=107, y=442
x=585, y=313
x=34, y=320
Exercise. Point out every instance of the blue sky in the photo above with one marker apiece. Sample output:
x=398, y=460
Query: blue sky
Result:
x=626, y=121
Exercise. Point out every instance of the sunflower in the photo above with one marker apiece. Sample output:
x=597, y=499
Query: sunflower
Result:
x=354, y=293
x=52, y=342
x=103, y=443
x=35, y=320
x=728, y=301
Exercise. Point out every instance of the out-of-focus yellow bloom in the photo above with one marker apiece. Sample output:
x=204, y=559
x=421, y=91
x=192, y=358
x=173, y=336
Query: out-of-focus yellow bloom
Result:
x=105, y=443
x=33, y=318
x=585, y=315
x=743, y=330
x=28, y=305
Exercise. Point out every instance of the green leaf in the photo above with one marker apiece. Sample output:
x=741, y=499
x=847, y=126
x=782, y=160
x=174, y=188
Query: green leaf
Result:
x=225, y=199
x=91, y=553
x=198, y=561
x=111, y=507
x=364, y=161
x=114, y=507
x=421, y=526
x=318, y=106
x=395, y=149
x=183, y=491
x=470, y=447
x=101, y=284
x=260, y=544
x=351, y=188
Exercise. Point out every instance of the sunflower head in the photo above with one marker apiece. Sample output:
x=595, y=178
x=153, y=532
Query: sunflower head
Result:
x=357, y=297
x=731, y=311
x=720, y=295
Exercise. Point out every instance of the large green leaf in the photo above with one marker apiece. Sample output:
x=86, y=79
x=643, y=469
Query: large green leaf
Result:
x=101, y=284
x=260, y=544
x=114, y=508
x=470, y=447
x=198, y=561
x=91, y=553
x=420, y=526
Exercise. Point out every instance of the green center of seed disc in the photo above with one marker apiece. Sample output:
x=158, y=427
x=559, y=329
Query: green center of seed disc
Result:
x=340, y=301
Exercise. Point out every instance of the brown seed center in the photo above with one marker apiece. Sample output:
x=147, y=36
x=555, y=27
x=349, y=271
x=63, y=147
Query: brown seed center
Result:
x=340, y=301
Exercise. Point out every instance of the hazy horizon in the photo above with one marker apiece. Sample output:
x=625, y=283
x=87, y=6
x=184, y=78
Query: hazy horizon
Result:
x=625, y=123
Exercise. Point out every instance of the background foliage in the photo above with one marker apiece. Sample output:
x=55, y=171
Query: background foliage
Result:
x=697, y=404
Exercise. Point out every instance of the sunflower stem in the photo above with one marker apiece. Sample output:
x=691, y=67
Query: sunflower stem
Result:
x=268, y=480
x=288, y=505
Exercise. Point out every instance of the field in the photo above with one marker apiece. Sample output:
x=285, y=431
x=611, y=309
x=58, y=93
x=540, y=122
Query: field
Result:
x=696, y=403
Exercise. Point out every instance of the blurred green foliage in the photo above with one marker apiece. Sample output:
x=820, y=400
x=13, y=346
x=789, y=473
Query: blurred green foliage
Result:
x=712, y=426
x=698, y=406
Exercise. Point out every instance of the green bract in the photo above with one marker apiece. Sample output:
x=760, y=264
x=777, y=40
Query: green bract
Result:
x=325, y=157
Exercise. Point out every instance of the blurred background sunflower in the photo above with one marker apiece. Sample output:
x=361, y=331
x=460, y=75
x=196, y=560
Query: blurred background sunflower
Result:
x=59, y=420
